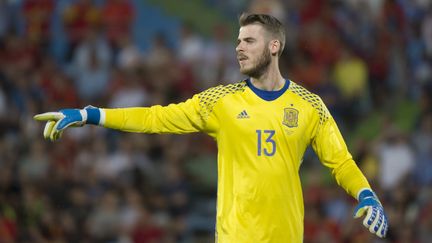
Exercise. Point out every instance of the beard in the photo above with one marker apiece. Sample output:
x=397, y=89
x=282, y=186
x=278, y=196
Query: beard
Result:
x=261, y=65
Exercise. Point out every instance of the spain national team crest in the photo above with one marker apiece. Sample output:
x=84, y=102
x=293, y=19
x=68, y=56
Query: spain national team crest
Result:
x=290, y=117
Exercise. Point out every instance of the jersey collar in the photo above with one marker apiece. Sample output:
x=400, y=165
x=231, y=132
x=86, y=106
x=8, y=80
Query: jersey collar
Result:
x=266, y=94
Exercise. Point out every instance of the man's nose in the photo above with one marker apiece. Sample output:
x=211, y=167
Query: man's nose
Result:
x=239, y=48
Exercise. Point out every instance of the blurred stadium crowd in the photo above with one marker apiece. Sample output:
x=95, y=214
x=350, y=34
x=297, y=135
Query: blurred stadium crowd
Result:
x=370, y=61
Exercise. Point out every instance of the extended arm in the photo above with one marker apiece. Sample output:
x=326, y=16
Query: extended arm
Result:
x=175, y=118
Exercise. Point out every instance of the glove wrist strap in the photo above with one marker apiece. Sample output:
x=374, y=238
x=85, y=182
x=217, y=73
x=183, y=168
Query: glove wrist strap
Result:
x=365, y=193
x=93, y=116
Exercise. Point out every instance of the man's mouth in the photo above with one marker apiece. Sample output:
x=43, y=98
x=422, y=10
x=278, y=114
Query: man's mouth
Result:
x=242, y=58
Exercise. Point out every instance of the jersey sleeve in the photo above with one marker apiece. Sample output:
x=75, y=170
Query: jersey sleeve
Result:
x=196, y=114
x=332, y=151
x=185, y=117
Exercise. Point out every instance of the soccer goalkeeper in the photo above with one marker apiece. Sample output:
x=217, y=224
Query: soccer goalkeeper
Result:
x=262, y=126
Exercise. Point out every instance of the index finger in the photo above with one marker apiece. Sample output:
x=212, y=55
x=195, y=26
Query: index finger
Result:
x=49, y=116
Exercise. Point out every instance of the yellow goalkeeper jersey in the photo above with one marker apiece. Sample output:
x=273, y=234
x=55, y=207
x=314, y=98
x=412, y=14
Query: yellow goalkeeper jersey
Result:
x=261, y=138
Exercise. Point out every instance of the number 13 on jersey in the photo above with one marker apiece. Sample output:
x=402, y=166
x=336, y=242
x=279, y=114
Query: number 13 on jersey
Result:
x=266, y=137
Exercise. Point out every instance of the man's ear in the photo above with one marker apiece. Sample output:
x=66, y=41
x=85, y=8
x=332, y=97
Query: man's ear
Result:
x=275, y=46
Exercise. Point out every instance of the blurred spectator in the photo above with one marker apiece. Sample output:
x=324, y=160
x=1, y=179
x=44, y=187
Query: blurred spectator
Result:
x=129, y=56
x=162, y=67
x=79, y=17
x=398, y=69
x=330, y=94
x=378, y=65
x=9, y=225
x=425, y=218
x=130, y=211
x=91, y=62
x=219, y=63
x=104, y=222
x=350, y=75
x=357, y=26
x=272, y=7
x=23, y=92
x=35, y=166
x=191, y=47
x=422, y=140
x=130, y=93
x=375, y=6
x=37, y=17
x=190, y=55
x=317, y=230
x=146, y=230
x=100, y=170
x=415, y=50
x=396, y=159
x=336, y=206
x=307, y=72
x=392, y=18
x=6, y=18
x=427, y=32
x=160, y=54
x=176, y=190
x=367, y=159
x=3, y=103
x=56, y=86
x=18, y=55
x=310, y=10
x=117, y=17
x=320, y=44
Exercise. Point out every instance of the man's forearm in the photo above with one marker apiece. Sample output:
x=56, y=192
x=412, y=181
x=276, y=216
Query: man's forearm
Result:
x=349, y=176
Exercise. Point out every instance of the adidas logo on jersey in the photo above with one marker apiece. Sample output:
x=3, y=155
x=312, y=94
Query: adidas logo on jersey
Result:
x=243, y=115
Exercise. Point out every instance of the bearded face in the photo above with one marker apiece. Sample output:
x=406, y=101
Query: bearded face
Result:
x=258, y=65
x=253, y=52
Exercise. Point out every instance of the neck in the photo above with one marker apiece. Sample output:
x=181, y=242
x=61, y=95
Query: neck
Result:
x=271, y=80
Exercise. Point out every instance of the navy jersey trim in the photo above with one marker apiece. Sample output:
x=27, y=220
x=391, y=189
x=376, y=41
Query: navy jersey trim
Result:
x=266, y=94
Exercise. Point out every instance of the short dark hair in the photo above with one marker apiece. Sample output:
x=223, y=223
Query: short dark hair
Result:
x=270, y=23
